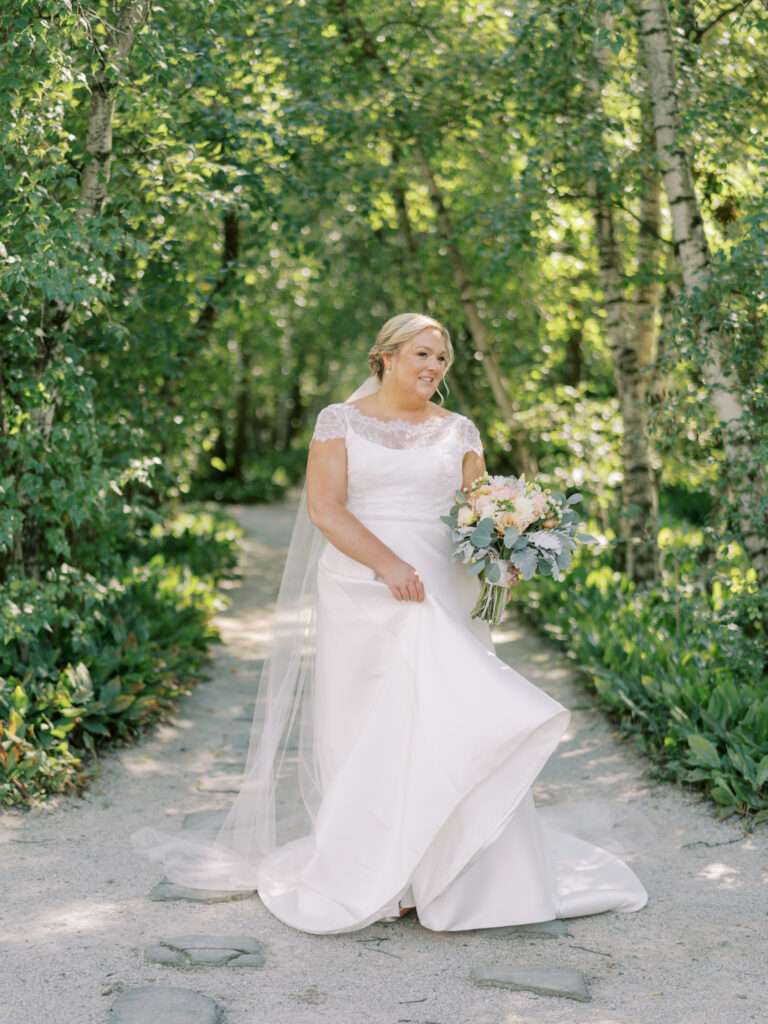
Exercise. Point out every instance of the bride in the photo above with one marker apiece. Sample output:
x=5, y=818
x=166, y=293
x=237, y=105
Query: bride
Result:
x=392, y=752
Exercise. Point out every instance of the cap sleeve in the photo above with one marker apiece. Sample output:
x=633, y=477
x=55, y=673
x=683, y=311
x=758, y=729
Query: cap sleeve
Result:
x=472, y=440
x=331, y=422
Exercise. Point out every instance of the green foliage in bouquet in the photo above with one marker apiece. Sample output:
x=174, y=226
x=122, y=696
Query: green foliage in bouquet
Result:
x=681, y=665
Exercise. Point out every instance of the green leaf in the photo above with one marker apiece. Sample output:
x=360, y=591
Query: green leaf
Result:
x=722, y=795
x=95, y=726
x=20, y=699
x=526, y=561
x=703, y=750
x=511, y=534
x=493, y=572
x=120, y=703
x=481, y=535
x=112, y=690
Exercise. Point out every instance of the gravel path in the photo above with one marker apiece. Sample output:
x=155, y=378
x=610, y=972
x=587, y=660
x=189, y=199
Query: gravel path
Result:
x=79, y=934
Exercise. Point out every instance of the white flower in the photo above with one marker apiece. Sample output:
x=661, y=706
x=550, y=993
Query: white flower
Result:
x=524, y=513
x=539, y=502
x=485, y=507
x=467, y=515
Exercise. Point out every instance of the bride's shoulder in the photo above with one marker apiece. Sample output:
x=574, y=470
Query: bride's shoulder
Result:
x=330, y=422
x=469, y=433
x=465, y=427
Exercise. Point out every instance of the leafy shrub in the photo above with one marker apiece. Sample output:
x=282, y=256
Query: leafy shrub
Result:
x=264, y=481
x=84, y=662
x=681, y=665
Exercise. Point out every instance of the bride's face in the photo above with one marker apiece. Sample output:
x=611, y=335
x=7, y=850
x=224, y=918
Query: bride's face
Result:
x=419, y=364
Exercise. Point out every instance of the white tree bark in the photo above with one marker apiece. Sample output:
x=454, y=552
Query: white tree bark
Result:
x=507, y=407
x=98, y=145
x=747, y=480
x=630, y=333
x=93, y=181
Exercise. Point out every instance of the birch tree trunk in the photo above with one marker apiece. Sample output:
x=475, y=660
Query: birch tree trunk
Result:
x=641, y=493
x=55, y=313
x=410, y=265
x=94, y=178
x=98, y=146
x=632, y=350
x=522, y=453
x=746, y=479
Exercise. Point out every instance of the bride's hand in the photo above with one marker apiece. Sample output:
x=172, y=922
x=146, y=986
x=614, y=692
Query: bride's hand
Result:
x=404, y=581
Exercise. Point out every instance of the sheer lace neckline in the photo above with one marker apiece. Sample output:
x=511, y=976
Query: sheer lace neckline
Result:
x=343, y=419
x=399, y=422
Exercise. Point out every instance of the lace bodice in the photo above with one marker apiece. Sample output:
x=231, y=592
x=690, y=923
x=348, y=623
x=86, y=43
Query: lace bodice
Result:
x=398, y=469
x=337, y=419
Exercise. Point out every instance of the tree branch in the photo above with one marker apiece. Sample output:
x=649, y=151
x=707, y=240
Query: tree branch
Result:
x=702, y=31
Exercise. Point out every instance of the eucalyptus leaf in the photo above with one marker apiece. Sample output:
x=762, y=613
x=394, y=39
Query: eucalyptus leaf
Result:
x=493, y=572
x=482, y=533
x=511, y=534
x=526, y=561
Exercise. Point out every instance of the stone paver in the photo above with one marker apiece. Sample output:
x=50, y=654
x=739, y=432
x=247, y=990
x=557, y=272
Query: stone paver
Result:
x=208, y=951
x=220, y=784
x=204, y=820
x=164, y=1004
x=544, y=981
x=539, y=930
x=170, y=891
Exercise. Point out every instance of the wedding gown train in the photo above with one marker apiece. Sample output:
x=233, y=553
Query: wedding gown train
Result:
x=428, y=743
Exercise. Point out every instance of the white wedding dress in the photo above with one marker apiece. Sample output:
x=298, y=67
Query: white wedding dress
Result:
x=392, y=752
x=428, y=743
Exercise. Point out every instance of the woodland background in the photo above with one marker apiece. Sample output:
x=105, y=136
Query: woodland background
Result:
x=207, y=209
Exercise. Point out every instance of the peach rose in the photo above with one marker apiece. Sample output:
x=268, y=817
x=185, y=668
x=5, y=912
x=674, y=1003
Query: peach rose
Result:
x=539, y=502
x=506, y=519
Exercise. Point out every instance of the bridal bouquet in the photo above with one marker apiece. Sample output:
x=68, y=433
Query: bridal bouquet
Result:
x=505, y=528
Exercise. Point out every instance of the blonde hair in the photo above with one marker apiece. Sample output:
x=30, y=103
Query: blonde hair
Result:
x=399, y=329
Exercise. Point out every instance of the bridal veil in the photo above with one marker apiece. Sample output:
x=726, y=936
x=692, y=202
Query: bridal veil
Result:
x=280, y=791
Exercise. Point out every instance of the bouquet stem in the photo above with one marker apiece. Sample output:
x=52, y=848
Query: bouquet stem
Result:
x=491, y=603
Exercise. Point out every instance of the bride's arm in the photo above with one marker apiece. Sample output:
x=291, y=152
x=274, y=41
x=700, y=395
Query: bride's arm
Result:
x=472, y=467
x=326, y=505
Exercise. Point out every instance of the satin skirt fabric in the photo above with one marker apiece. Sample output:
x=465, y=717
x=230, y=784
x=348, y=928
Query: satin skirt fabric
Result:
x=428, y=747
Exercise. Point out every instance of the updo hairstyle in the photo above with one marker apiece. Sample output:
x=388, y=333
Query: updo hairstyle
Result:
x=399, y=329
